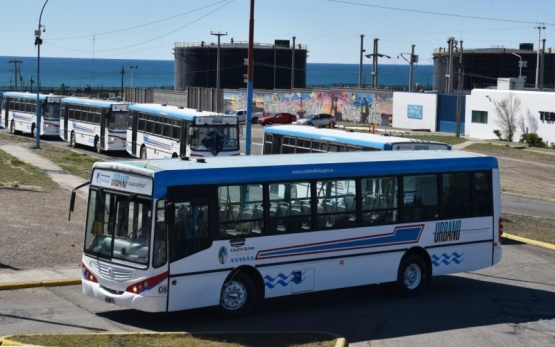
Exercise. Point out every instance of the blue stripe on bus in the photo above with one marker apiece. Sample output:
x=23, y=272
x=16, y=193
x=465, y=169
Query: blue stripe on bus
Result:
x=400, y=235
x=92, y=102
x=83, y=129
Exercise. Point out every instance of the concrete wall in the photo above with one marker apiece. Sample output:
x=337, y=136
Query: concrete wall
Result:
x=533, y=104
x=414, y=110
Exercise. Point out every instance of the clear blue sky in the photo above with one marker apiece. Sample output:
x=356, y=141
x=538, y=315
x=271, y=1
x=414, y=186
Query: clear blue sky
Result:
x=331, y=29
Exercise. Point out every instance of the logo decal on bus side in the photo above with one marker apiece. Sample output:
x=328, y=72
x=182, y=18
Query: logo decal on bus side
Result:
x=447, y=259
x=294, y=277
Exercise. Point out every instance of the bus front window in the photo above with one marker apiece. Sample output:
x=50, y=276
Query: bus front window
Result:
x=215, y=139
x=117, y=121
x=118, y=227
x=51, y=111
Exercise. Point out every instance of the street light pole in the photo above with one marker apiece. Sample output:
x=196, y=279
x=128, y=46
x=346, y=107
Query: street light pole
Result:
x=539, y=27
x=218, y=70
x=38, y=42
x=360, y=66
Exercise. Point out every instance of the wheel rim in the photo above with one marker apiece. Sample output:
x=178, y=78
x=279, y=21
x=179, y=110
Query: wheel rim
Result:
x=234, y=296
x=412, y=276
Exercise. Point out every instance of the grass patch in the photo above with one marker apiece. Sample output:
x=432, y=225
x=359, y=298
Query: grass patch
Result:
x=15, y=173
x=511, y=152
x=180, y=339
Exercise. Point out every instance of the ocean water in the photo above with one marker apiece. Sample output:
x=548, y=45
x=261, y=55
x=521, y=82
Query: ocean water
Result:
x=107, y=73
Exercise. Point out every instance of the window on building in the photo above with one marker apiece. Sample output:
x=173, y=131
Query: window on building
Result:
x=480, y=117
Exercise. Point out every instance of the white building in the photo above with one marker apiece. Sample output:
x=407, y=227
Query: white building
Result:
x=537, y=110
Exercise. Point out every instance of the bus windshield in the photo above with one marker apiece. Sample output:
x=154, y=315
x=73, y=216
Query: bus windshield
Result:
x=118, y=121
x=51, y=111
x=118, y=227
x=215, y=139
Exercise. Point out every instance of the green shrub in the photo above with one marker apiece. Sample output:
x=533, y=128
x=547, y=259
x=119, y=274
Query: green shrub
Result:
x=498, y=134
x=532, y=139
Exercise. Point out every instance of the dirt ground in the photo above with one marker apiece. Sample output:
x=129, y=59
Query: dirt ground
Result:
x=35, y=232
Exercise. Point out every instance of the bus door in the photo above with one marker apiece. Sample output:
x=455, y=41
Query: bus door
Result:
x=183, y=139
x=64, y=122
x=133, y=123
x=104, y=121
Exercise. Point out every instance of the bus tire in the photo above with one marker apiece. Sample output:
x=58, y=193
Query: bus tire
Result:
x=97, y=145
x=412, y=275
x=237, y=296
x=143, y=152
x=72, y=142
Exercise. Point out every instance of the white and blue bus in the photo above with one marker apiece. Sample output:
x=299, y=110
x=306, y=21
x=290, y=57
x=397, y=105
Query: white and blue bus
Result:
x=19, y=113
x=101, y=124
x=302, y=139
x=164, y=131
x=166, y=235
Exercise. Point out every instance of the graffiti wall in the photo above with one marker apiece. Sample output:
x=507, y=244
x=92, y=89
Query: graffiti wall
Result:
x=348, y=106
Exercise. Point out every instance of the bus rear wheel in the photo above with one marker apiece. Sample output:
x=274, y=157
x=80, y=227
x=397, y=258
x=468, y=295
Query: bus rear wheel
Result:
x=237, y=296
x=412, y=275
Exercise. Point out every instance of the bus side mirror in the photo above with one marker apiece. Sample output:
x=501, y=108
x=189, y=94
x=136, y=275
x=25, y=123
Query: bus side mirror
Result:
x=71, y=204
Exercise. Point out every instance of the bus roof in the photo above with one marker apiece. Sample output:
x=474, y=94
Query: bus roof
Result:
x=27, y=95
x=93, y=102
x=292, y=167
x=349, y=137
x=175, y=111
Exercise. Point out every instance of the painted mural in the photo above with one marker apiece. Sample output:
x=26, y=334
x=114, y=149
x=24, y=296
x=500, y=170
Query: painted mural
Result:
x=347, y=106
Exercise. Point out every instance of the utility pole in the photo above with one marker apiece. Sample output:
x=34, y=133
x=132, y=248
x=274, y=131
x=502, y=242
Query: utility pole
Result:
x=449, y=75
x=459, y=91
x=542, y=64
x=219, y=34
x=122, y=73
x=374, y=57
x=17, y=73
x=293, y=65
x=539, y=27
x=362, y=50
x=133, y=68
x=413, y=59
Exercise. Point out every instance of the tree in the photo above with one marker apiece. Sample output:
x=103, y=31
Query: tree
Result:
x=507, y=115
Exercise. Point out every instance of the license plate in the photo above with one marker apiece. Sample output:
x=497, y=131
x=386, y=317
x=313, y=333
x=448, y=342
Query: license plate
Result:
x=109, y=300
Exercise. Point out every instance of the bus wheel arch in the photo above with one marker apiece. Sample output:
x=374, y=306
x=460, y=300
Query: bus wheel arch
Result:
x=174, y=155
x=414, y=273
x=242, y=290
x=12, y=127
x=33, y=130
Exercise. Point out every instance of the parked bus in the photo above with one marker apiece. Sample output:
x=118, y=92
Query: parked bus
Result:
x=303, y=139
x=19, y=113
x=169, y=234
x=164, y=131
x=101, y=124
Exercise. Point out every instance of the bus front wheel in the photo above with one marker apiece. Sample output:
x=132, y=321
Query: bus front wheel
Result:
x=412, y=275
x=72, y=140
x=237, y=296
x=97, y=145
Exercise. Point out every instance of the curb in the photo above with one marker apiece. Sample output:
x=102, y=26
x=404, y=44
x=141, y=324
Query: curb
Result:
x=529, y=241
x=53, y=283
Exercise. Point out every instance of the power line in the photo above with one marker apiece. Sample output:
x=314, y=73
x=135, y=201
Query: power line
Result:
x=435, y=13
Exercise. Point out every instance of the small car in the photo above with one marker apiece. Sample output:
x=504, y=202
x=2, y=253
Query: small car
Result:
x=318, y=120
x=277, y=118
x=242, y=115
